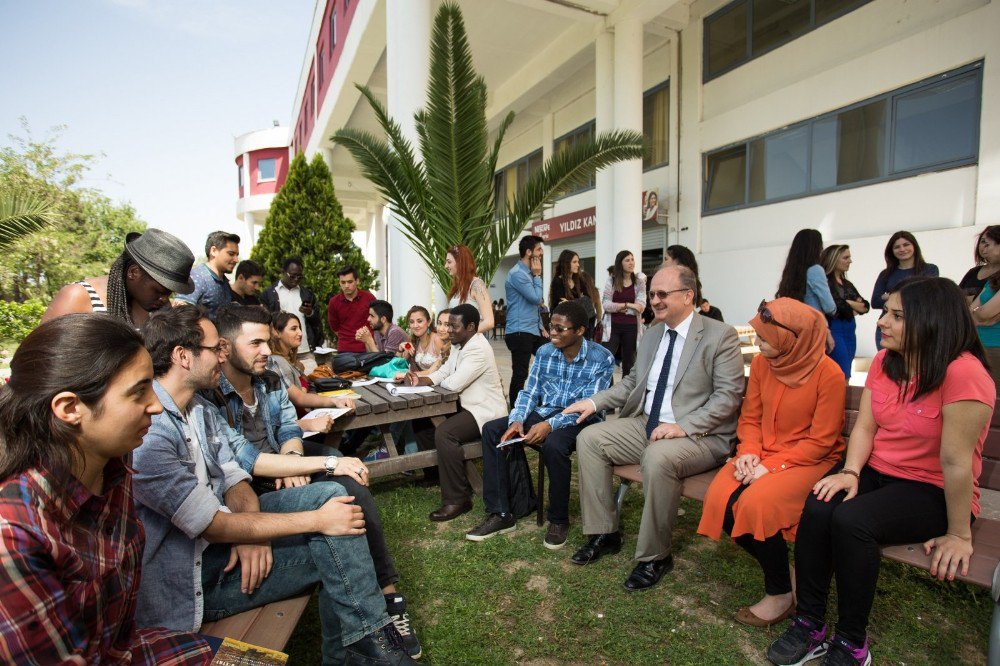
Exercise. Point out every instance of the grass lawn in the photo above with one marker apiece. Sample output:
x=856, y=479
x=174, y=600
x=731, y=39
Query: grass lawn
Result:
x=509, y=600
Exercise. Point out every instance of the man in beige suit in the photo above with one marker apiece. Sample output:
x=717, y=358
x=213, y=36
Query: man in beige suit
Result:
x=471, y=369
x=678, y=415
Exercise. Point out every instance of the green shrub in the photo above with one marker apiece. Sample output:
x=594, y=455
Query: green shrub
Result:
x=19, y=319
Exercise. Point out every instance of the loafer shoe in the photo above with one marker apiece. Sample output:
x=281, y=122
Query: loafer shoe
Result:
x=748, y=617
x=597, y=547
x=447, y=512
x=647, y=574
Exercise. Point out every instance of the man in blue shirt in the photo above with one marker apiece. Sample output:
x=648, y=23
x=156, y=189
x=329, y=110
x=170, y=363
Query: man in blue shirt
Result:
x=524, y=332
x=567, y=370
x=211, y=286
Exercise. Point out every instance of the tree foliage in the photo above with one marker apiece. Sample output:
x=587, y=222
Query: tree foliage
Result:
x=85, y=232
x=307, y=221
x=447, y=197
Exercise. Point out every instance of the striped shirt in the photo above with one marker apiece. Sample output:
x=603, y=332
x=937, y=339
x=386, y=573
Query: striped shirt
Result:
x=69, y=574
x=555, y=383
x=96, y=304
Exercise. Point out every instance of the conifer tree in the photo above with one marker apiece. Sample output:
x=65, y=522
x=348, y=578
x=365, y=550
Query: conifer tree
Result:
x=307, y=221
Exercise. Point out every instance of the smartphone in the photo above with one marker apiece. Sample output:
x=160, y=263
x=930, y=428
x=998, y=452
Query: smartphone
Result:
x=513, y=440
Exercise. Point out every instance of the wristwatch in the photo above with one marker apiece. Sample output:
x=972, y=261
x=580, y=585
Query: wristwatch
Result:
x=331, y=464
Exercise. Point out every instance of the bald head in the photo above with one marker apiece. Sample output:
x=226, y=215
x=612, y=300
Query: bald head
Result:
x=671, y=294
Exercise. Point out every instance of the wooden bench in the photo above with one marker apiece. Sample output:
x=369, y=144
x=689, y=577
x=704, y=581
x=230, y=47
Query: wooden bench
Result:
x=984, y=570
x=269, y=626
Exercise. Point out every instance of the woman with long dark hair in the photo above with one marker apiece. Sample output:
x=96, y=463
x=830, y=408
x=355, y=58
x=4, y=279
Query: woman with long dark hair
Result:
x=903, y=259
x=985, y=305
x=623, y=300
x=804, y=279
x=71, y=544
x=466, y=287
x=976, y=278
x=570, y=283
x=836, y=260
x=909, y=476
x=424, y=350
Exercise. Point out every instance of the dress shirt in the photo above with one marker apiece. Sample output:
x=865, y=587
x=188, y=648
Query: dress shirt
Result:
x=291, y=301
x=524, y=296
x=70, y=576
x=667, y=408
x=555, y=383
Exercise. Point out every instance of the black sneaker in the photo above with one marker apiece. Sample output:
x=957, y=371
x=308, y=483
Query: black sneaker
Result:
x=382, y=648
x=395, y=605
x=495, y=523
x=843, y=652
x=802, y=641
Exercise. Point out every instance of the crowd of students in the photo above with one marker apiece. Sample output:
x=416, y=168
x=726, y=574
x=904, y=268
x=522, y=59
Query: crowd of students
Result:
x=204, y=403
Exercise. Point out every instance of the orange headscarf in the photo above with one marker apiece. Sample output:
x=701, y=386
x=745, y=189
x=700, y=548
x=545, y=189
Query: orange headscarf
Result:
x=797, y=356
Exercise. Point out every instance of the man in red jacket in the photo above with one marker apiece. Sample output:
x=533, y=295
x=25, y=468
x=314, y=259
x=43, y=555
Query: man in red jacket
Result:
x=348, y=311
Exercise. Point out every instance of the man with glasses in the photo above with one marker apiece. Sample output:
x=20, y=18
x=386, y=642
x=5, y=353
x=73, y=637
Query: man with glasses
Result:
x=289, y=295
x=679, y=407
x=568, y=369
x=471, y=369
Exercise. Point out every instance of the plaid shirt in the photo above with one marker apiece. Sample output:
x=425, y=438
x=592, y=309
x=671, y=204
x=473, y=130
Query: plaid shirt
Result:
x=555, y=383
x=69, y=573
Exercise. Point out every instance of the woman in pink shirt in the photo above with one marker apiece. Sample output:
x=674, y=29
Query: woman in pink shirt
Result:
x=910, y=474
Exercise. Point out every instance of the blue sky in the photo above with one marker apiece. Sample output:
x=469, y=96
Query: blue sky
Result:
x=161, y=87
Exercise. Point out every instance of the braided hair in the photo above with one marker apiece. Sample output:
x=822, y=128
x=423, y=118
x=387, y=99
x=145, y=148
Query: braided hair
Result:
x=118, y=298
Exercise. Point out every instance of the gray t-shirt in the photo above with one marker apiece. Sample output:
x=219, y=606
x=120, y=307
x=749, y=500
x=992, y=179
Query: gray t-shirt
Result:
x=254, y=428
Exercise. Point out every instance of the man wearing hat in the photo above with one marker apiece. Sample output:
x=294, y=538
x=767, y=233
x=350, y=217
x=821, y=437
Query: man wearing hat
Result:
x=153, y=265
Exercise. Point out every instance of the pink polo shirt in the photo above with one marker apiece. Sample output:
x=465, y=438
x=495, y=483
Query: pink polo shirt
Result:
x=908, y=440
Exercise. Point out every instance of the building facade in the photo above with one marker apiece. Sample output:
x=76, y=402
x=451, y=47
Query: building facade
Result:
x=854, y=117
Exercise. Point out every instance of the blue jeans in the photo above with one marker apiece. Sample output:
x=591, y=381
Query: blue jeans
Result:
x=351, y=604
x=845, y=343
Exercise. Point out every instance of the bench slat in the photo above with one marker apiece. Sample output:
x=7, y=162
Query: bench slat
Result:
x=269, y=626
x=990, y=478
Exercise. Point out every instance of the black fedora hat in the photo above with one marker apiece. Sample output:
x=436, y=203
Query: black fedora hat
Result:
x=164, y=256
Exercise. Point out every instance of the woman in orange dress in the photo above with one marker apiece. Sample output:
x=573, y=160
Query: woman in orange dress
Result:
x=790, y=437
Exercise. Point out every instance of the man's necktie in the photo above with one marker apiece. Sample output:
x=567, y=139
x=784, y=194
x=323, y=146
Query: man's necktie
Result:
x=661, y=387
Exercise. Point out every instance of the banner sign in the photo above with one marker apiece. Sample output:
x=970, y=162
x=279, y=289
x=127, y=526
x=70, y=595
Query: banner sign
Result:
x=566, y=226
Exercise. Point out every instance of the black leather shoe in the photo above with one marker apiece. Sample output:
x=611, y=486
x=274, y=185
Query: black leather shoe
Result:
x=382, y=648
x=597, y=547
x=450, y=511
x=647, y=574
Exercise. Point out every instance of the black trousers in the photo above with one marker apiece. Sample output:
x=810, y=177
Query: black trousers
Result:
x=556, y=452
x=522, y=347
x=771, y=553
x=842, y=539
x=448, y=438
x=622, y=344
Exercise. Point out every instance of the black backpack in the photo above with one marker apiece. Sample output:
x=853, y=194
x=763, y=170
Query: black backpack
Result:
x=522, y=490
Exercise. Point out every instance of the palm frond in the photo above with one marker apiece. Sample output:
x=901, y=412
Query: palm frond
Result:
x=22, y=214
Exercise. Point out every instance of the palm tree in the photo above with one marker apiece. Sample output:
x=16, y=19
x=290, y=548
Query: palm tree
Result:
x=448, y=198
x=22, y=214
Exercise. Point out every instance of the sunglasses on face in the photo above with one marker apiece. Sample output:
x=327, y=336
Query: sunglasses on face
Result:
x=662, y=295
x=768, y=318
x=556, y=328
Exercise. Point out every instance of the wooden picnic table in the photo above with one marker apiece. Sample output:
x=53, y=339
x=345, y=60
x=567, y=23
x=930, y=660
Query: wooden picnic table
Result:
x=380, y=409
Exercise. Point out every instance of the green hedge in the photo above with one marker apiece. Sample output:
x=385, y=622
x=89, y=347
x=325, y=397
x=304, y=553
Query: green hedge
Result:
x=19, y=319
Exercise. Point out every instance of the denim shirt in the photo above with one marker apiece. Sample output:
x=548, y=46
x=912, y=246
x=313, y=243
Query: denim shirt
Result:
x=524, y=295
x=176, y=509
x=279, y=416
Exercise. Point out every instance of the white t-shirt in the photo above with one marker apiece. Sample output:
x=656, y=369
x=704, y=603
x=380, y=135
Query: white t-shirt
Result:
x=290, y=301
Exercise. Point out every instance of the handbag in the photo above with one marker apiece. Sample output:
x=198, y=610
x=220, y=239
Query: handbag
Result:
x=361, y=362
x=324, y=384
x=390, y=369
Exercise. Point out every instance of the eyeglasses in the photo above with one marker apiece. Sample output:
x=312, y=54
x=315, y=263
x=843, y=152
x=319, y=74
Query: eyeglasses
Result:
x=217, y=349
x=767, y=317
x=662, y=295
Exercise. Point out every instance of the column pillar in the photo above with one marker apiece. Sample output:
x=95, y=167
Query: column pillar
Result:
x=628, y=115
x=548, y=150
x=604, y=234
x=408, y=26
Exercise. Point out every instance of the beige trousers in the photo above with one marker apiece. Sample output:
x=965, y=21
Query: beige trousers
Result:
x=664, y=464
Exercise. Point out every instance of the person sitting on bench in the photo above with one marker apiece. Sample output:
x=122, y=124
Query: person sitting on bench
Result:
x=471, y=370
x=565, y=370
x=678, y=415
x=789, y=433
x=213, y=549
x=910, y=473
x=71, y=543
x=267, y=441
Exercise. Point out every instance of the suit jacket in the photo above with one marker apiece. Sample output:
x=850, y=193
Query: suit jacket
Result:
x=707, y=389
x=472, y=371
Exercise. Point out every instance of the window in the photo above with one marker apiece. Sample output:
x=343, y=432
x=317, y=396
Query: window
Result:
x=266, y=169
x=746, y=29
x=581, y=134
x=509, y=180
x=656, y=125
x=239, y=177
x=319, y=66
x=928, y=126
x=333, y=27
